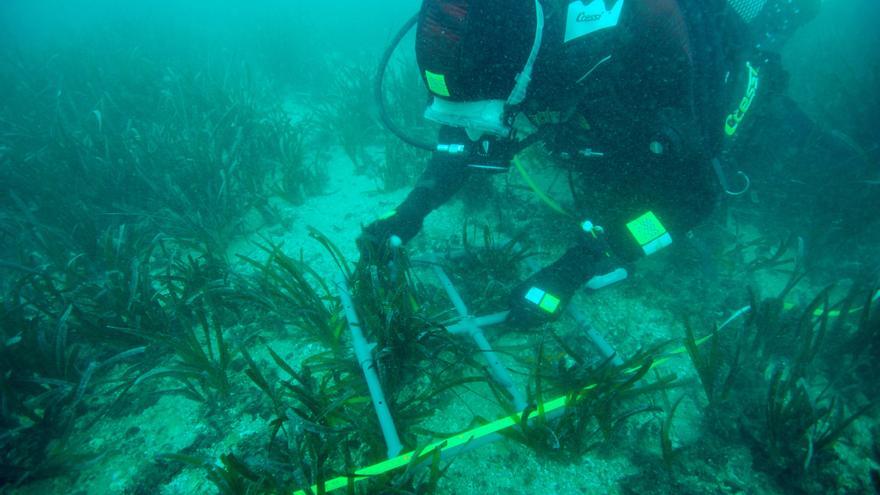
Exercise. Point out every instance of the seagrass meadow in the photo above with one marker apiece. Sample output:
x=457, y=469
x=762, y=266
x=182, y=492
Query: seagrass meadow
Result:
x=181, y=187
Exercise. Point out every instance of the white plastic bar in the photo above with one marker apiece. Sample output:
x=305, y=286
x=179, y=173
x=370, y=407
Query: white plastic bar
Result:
x=480, y=321
x=451, y=291
x=499, y=372
x=469, y=325
x=363, y=350
x=599, y=342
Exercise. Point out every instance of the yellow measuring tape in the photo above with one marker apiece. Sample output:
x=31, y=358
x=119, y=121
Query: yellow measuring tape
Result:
x=497, y=426
x=455, y=441
x=787, y=306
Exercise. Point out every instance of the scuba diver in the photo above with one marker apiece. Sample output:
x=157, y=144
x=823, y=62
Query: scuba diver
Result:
x=641, y=98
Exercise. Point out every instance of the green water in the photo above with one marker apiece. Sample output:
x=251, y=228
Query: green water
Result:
x=181, y=189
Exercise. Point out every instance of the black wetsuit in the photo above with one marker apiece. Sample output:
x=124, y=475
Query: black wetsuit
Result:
x=663, y=83
x=645, y=111
x=662, y=87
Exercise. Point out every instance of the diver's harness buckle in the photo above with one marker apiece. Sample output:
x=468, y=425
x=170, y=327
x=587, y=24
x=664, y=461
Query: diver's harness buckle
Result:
x=725, y=184
x=488, y=154
x=590, y=153
x=476, y=157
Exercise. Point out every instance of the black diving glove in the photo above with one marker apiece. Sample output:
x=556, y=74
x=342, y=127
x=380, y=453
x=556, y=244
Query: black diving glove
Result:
x=445, y=174
x=378, y=239
x=543, y=297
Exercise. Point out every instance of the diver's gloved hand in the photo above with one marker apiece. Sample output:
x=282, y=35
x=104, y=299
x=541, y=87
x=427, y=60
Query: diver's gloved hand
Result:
x=378, y=239
x=544, y=296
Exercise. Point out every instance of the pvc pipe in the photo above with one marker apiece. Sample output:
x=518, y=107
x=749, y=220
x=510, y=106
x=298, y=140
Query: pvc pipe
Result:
x=480, y=321
x=599, y=342
x=454, y=296
x=498, y=371
x=468, y=325
x=363, y=350
x=602, y=346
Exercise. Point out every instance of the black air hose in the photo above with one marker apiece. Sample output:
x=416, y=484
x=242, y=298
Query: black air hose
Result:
x=379, y=92
x=379, y=95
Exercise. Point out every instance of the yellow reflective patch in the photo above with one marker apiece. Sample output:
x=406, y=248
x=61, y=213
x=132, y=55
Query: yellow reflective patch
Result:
x=437, y=83
x=549, y=303
x=646, y=228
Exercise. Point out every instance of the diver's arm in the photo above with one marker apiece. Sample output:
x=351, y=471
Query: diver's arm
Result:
x=445, y=175
x=455, y=159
